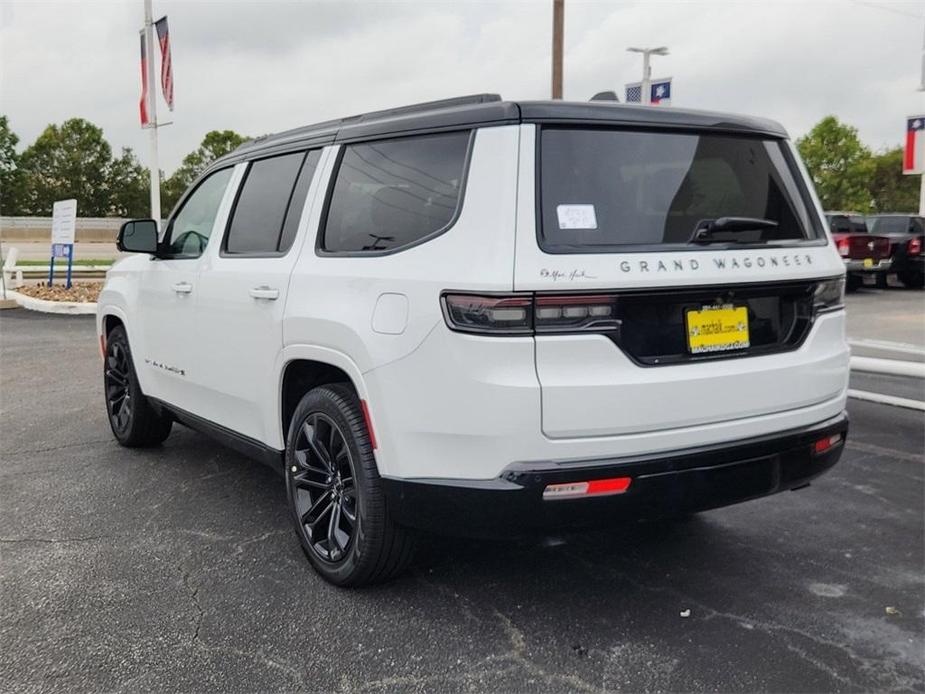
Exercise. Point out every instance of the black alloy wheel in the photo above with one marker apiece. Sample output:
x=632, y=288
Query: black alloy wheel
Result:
x=116, y=379
x=135, y=422
x=323, y=488
x=336, y=497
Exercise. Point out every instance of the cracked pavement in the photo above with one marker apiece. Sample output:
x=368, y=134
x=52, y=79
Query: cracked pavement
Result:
x=176, y=569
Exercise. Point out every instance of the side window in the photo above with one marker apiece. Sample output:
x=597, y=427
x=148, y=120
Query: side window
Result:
x=297, y=203
x=192, y=225
x=269, y=204
x=392, y=193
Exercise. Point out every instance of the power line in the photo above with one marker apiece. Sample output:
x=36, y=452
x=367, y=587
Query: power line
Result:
x=887, y=8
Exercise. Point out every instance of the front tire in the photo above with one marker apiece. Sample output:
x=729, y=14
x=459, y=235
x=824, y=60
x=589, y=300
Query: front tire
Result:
x=335, y=494
x=134, y=421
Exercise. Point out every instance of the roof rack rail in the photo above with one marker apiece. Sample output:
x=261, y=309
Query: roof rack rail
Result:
x=469, y=100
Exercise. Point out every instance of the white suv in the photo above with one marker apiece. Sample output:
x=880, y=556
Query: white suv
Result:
x=491, y=318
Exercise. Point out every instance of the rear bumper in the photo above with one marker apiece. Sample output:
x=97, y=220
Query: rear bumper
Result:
x=667, y=484
x=859, y=266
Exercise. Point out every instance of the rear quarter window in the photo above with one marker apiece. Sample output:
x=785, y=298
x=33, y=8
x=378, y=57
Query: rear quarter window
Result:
x=391, y=194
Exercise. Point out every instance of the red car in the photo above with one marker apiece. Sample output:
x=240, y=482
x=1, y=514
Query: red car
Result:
x=865, y=254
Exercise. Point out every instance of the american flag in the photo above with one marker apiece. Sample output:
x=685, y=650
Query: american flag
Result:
x=163, y=38
x=143, y=104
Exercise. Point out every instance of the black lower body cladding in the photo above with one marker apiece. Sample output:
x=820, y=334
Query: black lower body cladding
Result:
x=664, y=485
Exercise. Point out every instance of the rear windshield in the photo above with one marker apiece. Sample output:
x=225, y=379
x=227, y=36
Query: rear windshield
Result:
x=894, y=225
x=847, y=223
x=609, y=189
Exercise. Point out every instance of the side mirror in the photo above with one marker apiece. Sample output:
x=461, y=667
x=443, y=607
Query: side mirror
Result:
x=138, y=236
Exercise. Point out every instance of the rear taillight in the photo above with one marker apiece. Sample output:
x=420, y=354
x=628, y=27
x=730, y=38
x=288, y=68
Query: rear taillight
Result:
x=844, y=246
x=563, y=313
x=521, y=314
x=914, y=247
x=511, y=315
x=829, y=295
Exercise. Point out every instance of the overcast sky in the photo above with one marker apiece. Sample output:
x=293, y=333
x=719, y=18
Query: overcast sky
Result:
x=259, y=67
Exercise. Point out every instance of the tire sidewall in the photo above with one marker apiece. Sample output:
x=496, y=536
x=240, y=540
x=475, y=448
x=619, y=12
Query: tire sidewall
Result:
x=119, y=336
x=325, y=401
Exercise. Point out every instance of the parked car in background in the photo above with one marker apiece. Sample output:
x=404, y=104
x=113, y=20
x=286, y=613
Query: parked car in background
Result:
x=906, y=234
x=865, y=255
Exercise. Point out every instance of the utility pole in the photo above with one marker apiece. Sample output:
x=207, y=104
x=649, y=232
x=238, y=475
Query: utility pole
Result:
x=646, y=95
x=922, y=175
x=153, y=165
x=558, y=22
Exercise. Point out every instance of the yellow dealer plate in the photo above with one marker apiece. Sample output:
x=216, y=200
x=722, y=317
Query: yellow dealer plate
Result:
x=717, y=329
x=868, y=262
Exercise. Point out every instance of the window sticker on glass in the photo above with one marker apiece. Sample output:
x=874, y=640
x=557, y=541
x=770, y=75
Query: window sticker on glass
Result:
x=576, y=216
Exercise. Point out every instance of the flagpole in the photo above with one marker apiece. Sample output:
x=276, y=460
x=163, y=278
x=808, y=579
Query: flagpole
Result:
x=154, y=168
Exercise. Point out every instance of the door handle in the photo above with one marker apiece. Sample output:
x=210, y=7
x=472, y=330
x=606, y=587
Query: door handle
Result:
x=265, y=292
x=182, y=288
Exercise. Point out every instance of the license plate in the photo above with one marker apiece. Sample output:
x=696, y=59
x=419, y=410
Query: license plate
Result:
x=868, y=262
x=717, y=329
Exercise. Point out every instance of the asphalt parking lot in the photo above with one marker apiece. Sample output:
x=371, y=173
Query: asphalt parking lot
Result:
x=176, y=569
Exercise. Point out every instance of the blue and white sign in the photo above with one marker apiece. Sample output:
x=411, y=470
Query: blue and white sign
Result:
x=659, y=92
x=63, y=230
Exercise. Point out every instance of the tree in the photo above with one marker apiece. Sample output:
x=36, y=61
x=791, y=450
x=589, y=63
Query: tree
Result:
x=215, y=144
x=890, y=189
x=130, y=186
x=72, y=160
x=840, y=165
x=11, y=188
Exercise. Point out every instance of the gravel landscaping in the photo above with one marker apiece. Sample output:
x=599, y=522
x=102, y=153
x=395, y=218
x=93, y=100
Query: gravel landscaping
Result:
x=84, y=292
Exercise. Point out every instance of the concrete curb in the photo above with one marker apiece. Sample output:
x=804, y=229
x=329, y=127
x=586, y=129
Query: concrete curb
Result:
x=44, y=306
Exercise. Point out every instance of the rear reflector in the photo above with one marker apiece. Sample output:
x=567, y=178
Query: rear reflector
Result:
x=569, y=490
x=369, y=424
x=822, y=445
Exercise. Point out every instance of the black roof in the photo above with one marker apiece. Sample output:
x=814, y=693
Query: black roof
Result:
x=489, y=109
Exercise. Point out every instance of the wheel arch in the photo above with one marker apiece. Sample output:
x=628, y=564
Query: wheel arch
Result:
x=309, y=367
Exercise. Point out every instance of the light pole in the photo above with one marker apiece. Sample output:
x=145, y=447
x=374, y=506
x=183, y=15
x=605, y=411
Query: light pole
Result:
x=646, y=95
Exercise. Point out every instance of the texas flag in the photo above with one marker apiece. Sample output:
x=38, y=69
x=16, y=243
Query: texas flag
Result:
x=914, y=154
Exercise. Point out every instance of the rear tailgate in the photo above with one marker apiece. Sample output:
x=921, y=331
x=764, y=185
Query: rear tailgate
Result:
x=863, y=246
x=646, y=370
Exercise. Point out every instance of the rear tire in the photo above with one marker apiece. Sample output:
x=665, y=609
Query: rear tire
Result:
x=134, y=421
x=335, y=493
x=912, y=280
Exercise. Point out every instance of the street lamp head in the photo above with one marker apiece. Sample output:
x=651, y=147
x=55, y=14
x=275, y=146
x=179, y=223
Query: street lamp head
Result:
x=661, y=50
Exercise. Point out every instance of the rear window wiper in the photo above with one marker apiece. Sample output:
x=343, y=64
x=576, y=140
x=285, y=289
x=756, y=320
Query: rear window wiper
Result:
x=703, y=233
